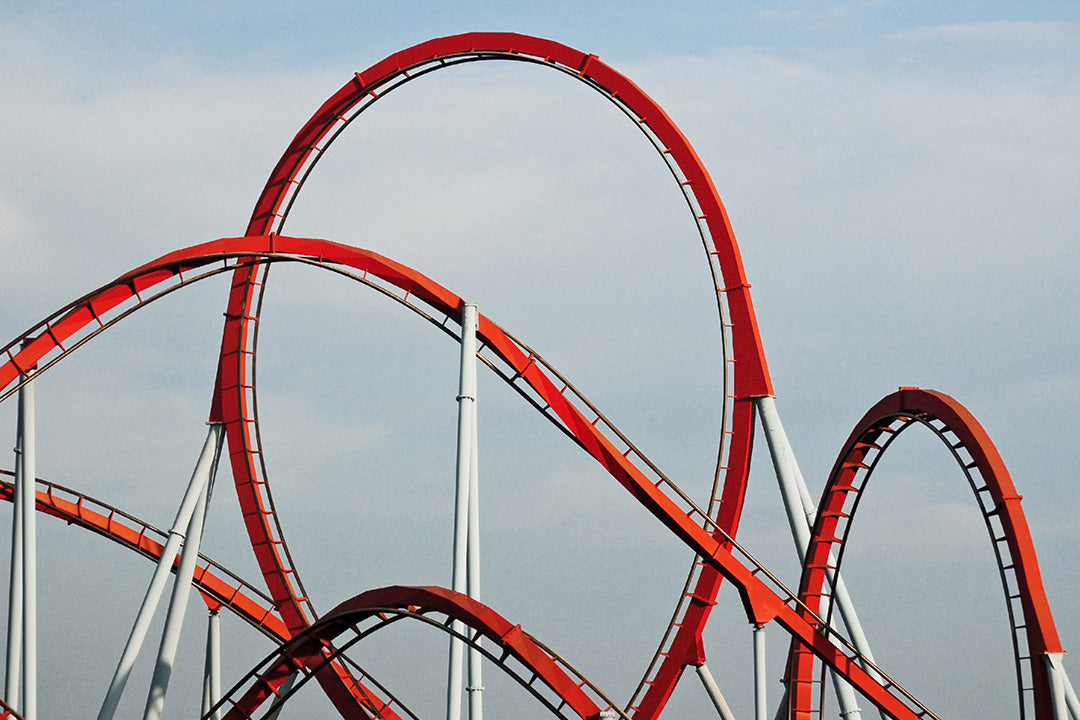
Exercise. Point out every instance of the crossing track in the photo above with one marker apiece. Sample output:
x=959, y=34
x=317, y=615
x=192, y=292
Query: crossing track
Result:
x=707, y=528
x=1033, y=630
x=219, y=586
x=744, y=375
x=765, y=598
x=533, y=666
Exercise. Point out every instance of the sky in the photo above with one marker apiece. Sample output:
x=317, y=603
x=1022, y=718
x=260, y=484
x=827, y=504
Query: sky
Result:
x=902, y=180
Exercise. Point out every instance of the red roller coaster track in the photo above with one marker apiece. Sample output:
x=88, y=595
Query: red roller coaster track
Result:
x=315, y=646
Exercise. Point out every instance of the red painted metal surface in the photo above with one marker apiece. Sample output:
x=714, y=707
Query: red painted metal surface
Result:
x=980, y=457
x=709, y=533
x=509, y=640
x=681, y=645
x=7, y=713
x=761, y=601
x=219, y=587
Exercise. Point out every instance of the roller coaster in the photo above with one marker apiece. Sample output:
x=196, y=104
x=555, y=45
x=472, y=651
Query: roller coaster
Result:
x=827, y=644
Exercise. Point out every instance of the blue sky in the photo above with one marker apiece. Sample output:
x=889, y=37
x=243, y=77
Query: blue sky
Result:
x=902, y=178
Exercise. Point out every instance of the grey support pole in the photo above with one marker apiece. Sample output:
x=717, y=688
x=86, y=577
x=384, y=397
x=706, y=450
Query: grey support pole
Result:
x=801, y=512
x=714, y=693
x=761, y=712
x=475, y=687
x=1070, y=696
x=212, y=668
x=21, y=675
x=199, y=478
x=285, y=689
x=28, y=472
x=15, y=585
x=1057, y=684
x=465, y=444
x=174, y=619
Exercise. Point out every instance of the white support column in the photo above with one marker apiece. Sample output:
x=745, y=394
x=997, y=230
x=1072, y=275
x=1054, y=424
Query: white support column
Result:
x=714, y=693
x=782, y=710
x=199, y=478
x=28, y=474
x=465, y=461
x=20, y=687
x=29, y=471
x=761, y=712
x=1070, y=696
x=801, y=514
x=1057, y=684
x=285, y=689
x=475, y=687
x=212, y=667
x=174, y=618
x=13, y=680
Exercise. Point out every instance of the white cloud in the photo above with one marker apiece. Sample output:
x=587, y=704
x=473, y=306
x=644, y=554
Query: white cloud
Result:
x=898, y=217
x=997, y=32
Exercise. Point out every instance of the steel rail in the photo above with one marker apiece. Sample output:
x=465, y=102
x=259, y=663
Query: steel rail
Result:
x=1034, y=633
x=681, y=643
x=528, y=662
x=764, y=598
x=216, y=582
x=9, y=713
x=219, y=586
x=170, y=276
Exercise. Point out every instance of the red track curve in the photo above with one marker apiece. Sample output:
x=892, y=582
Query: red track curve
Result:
x=510, y=639
x=234, y=402
x=708, y=532
x=135, y=535
x=997, y=497
x=218, y=586
x=764, y=599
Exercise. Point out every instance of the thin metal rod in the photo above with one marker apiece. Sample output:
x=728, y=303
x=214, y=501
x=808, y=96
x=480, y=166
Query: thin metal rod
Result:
x=28, y=472
x=285, y=689
x=15, y=584
x=801, y=514
x=475, y=687
x=760, y=699
x=466, y=423
x=714, y=693
x=782, y=710
x=199, y=478
x=20, y=686
x=174, y=618
x=1070, y=696
x=212, y=667
x=1057, y=685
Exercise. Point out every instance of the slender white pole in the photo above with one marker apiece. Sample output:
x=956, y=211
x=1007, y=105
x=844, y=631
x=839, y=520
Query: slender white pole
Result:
x=1057, y=685
x=760, y=699
x=466, y=423
x=1070, y=696
x=174, y=618
x=797, y=484
x=801, y=515
x=475, y=687
x=15, y=585
x=28, y=472
x=20, y=677
x=714, y=693
x=285, y=688
x=199, y=478
x=212, y=668
x=782, y=710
